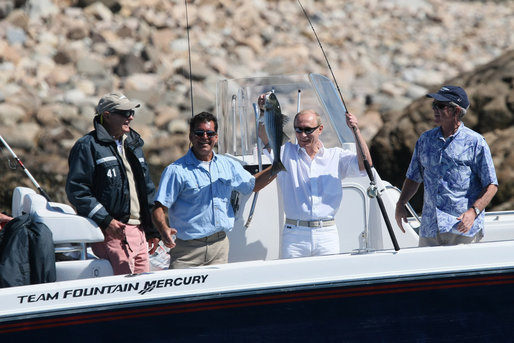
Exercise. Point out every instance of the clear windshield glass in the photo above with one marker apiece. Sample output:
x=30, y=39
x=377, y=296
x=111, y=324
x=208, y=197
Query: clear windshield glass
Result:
x=237, y=106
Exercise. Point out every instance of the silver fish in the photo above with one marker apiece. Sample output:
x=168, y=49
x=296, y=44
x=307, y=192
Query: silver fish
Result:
x=274, y=122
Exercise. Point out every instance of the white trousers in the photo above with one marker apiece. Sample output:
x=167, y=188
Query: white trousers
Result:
x=301, y=241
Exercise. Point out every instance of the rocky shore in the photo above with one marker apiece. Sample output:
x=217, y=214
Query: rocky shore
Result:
x=58, y=57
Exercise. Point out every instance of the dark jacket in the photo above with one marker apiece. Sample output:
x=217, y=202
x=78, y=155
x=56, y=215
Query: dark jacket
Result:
x=97, y=182
x=26, y=253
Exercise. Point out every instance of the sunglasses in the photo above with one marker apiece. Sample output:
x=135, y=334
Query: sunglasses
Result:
x=209, y=133
x=440, y=105
x=306, y=130
x=125, y=114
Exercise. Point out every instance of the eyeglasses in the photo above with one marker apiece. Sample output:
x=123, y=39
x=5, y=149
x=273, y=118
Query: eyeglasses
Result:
x=209, y=133
x=440, y=105
x=306, y=130
x=126, y=113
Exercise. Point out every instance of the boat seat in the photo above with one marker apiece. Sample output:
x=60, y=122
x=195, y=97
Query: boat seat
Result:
x=61, y=219
x=70, y=233
x=17, y=200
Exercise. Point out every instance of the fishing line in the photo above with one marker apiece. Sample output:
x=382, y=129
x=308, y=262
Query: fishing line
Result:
x=365, y=160
x=324, y=55
x=189, y=56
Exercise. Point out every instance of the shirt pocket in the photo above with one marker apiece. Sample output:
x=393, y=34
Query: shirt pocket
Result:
x=193, y=191
x=222, y=189
x=459, y=169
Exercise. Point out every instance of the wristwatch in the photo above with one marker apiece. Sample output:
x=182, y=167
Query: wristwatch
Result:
x=477, y=210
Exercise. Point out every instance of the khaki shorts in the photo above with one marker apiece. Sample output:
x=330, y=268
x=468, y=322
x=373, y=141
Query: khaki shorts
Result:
x=449, y=238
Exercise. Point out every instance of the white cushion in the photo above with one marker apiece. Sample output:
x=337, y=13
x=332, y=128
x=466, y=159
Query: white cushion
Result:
x=66, y=227
x=17, y=200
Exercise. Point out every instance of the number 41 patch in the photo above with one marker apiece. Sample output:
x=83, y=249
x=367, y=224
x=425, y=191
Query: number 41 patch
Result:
x=111, y=172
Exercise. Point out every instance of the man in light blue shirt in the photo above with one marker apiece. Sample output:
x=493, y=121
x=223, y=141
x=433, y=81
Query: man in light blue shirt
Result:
x=456, y=167
x=196, y=191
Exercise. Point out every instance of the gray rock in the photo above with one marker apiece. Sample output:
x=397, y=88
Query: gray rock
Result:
x=41, y=8
x=16, y=35
x=90, y=66
x=11, y=114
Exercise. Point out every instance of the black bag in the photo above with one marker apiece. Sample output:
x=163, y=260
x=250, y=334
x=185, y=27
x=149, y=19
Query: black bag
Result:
x=26, y=253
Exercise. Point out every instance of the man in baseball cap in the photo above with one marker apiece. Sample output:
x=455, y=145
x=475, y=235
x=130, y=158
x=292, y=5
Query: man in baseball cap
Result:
x=109, y=182
x=456, y=167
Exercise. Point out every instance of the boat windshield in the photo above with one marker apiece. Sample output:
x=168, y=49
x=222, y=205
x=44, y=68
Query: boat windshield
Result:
x=237, y=109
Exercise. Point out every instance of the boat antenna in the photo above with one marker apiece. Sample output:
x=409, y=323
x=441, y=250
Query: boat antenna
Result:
x=189, y=56
x=372, y=191
x=43, y=193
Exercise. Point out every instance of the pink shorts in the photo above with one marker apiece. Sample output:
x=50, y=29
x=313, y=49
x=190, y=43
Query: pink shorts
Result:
x=131, y=258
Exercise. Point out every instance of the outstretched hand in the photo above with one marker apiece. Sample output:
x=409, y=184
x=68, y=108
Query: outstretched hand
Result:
x=351, y=121
x=261, y=100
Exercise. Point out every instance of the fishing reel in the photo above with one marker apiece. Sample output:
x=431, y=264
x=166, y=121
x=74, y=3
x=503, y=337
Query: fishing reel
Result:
x=373, y=191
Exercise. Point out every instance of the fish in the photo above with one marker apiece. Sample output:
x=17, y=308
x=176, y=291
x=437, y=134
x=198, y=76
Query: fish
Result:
x=274, y=122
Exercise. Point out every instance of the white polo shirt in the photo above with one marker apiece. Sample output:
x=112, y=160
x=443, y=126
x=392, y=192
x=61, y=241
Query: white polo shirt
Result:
x=312, y=189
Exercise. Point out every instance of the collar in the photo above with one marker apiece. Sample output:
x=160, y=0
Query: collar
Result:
x=459, y=129
x=320, y=152
x=191, y=158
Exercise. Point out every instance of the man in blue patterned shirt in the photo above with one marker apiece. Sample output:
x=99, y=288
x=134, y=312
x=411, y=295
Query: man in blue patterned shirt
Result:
x=456, y=167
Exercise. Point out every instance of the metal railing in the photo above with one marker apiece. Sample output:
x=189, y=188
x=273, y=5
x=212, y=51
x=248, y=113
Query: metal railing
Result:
x=407, y=205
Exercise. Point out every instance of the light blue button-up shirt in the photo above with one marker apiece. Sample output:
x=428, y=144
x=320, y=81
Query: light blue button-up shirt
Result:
x=454, y=171
x=198, y=199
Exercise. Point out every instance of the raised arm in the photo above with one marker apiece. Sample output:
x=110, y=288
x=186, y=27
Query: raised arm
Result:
x=353, y=124
x=263, y=178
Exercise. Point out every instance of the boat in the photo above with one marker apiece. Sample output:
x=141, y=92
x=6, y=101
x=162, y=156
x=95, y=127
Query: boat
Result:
x=372, y=291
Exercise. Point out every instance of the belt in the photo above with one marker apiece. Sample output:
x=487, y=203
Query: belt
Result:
x=214, y=237
x=311, y=223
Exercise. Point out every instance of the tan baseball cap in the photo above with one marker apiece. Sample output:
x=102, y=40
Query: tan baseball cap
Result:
x=115, y=101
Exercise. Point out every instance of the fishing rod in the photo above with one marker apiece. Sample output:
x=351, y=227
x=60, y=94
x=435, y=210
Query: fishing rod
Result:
x=298, y=104
x=25, y=169
x=372, y=191
x=189, y=57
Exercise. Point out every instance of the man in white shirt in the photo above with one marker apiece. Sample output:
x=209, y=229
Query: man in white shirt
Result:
x=311, y=187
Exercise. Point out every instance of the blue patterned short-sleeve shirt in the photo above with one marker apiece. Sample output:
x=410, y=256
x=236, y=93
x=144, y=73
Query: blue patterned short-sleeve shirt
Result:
x=454, y=171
